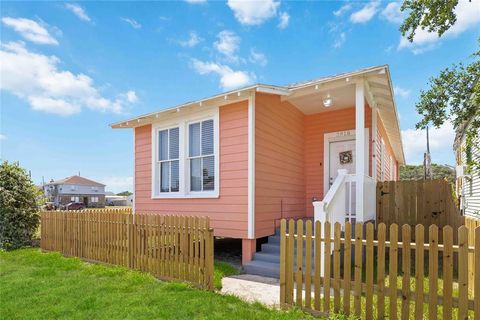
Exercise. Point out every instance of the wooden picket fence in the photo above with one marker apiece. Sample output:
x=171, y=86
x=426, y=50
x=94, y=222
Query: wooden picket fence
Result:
x=371, y=277
x=169, y=247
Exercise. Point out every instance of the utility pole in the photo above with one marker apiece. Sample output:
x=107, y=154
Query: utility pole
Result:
x=427, y=161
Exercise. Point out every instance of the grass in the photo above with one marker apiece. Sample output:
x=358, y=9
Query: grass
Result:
x=36, y=285
x=223, y=269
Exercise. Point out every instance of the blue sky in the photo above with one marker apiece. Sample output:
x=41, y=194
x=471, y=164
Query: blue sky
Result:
x=70, y=69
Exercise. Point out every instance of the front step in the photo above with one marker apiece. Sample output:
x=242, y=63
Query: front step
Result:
x=266, y=262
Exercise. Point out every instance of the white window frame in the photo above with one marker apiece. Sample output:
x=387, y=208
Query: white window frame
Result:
x=182, y=121
x=94, y=199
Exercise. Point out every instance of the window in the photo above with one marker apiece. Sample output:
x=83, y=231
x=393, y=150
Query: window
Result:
x=75, y=199
x=201, y=156
x=168, y=160
x=93, y=199
x=95, y=189
x=73, y=187
x=185, y=160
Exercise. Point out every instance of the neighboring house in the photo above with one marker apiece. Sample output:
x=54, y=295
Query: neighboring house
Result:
x=114, y=200
x=250, y=157
x=468, y=179
x=75, y=189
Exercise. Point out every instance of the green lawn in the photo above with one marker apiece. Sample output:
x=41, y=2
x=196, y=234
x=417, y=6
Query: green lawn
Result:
x=35, y=285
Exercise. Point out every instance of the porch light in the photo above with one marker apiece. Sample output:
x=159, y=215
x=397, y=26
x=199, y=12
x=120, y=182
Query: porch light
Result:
x=327, y=101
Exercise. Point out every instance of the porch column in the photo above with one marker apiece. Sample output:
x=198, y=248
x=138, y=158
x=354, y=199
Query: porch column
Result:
x=249, y=247
x=359, y=147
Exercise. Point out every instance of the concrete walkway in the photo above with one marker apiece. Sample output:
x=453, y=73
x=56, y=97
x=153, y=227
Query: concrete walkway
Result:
x=253, y=288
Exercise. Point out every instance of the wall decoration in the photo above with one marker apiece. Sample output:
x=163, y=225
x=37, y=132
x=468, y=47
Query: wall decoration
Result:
x=346, y=157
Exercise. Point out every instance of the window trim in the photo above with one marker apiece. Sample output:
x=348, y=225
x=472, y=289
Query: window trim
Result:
x=182, y=122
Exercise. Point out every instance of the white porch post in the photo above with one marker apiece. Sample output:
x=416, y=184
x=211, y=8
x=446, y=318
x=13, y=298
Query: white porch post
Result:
x=374, y=142
x=359, y=148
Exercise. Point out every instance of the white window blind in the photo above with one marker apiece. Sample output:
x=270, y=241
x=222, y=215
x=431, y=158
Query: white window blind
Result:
x=201, y=156
x=168, y=160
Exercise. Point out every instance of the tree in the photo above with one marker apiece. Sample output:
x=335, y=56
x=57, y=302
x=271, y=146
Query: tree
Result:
x=412, y=172
x=454, y=95
x=19, y=205
x=124, y=193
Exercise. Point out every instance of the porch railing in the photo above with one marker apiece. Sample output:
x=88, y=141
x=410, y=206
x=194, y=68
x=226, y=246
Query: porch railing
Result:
x=340, y=202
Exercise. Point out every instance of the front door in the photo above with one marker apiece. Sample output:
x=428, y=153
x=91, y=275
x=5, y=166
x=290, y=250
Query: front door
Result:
x=342, y=156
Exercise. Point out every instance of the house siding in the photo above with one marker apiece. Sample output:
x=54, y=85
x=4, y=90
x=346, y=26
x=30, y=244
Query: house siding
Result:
x=228, y=212
x=389, y=155
x=470, y=187
x=279, y=163
x=316, y=126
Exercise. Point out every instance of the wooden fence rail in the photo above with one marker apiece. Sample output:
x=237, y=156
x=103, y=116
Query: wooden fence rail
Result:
x=168, y=247
x=366, y=274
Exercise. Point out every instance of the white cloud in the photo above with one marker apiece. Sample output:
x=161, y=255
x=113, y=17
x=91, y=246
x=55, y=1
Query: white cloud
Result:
x=30, y=30
x=132, y=22
x=227, y=44
x=37, y=79
x=468, y=16
x=392, y=13
x=3, y=137
x=441, y=142
x=284, y=20
x=196, y=1
x=340, y=40
x=192, y=41
x=257, y=57
x=342, y=10
x=132, y=96
x=253, y=12
x=366, y=13
x=78, y=11
x=117, y=184
x=401, y=92
x=229, y=79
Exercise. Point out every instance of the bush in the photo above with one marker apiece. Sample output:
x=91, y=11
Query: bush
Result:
x=19, y=205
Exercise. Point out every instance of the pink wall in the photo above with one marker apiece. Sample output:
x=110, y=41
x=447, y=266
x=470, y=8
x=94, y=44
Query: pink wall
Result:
x=316, y=126
x=279, y=163
x=228, y=213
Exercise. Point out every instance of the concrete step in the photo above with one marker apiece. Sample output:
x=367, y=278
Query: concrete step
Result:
x=263, y=268
x=275, y=248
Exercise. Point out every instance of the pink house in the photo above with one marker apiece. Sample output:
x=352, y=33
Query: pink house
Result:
x=250, y=157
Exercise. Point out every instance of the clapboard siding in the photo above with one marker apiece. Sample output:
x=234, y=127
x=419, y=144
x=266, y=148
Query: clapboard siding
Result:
x=382, y=133
x=228, y=212
x=471, y=186
x=279, y=163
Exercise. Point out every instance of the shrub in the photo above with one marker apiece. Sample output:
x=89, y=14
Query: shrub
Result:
x=19, y=205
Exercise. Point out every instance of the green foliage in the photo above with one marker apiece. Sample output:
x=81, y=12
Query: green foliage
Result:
x=432, y=15
x=410, y=172
x=19, y=205
x=222, y=269
x=36, y=285
x=125, y=193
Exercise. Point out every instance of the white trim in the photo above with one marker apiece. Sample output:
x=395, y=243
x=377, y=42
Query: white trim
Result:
x=251, y=167
x=374, y=142
x=181, y=121
x=134, y=170
x=360, y=171
x=345, y=135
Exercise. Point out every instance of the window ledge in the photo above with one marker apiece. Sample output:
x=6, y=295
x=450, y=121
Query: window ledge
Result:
x=200, y=195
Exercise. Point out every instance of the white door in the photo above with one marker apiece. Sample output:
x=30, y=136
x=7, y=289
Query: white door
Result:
x=342, y=156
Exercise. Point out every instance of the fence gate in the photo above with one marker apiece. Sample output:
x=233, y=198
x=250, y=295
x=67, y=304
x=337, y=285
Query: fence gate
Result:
x=370, y=275
x=169, y=247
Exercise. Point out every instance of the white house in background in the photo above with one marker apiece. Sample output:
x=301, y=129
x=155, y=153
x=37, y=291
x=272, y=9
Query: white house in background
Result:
x=75, y=189
x=468, y=179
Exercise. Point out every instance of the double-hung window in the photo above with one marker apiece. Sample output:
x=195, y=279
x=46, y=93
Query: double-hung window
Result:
x=168, y=160
x=185, y=156
x=201, y=156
